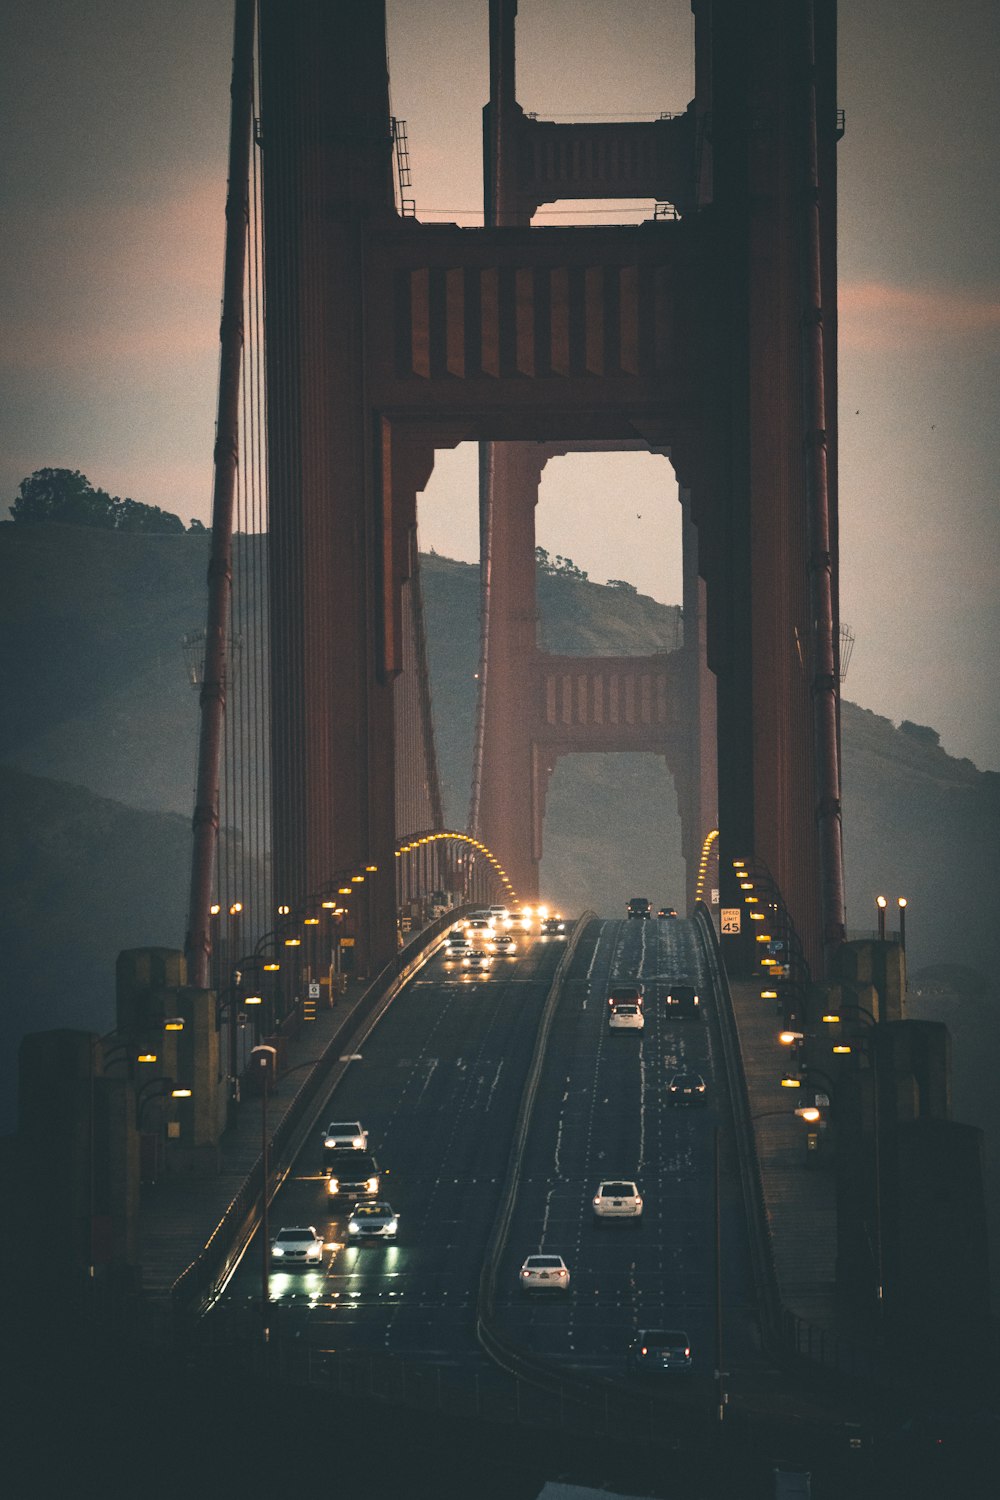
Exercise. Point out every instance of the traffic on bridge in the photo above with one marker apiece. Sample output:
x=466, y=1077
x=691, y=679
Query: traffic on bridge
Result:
x=430, y=1106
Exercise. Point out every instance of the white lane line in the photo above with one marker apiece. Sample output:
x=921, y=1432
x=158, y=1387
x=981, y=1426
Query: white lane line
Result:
x=496, y=1080
x=642, y=1106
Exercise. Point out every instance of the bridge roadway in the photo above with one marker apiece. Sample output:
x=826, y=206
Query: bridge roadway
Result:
x=438, y=1088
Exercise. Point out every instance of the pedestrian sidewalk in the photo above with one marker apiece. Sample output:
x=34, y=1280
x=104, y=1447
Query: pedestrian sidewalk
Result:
x=178, y=1215
x=800, y=1200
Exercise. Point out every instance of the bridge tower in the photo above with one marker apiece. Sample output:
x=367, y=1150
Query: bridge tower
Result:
x=709, y=336
x=667, y=707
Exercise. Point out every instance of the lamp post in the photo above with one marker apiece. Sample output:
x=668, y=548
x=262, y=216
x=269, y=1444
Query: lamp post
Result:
x=881, y=904
x=901, y=903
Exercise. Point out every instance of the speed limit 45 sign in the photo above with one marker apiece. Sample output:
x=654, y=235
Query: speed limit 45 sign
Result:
x=731, y=920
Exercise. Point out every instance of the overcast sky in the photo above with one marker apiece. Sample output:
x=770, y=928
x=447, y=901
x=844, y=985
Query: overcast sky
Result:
x=114, y=116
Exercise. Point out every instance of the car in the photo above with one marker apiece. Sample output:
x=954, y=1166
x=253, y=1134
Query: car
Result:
x=687, y=1088
x=659, y=1350
x=544, y=1273
x=353, y=1175
x=480, y=929
x=626, y=994
x=523, y=920
x=345, y=1135
x=625, y=1018
x=504, y=945
x=639, y=907
x=553, y=926
x=500, y=916
x=682, y=1002
x=478, y=961
x=617, y=1199
x=372, y=1221
x=297, y=1246
x=667, y=911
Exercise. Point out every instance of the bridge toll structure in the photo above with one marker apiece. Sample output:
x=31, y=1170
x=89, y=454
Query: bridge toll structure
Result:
x=709, y=336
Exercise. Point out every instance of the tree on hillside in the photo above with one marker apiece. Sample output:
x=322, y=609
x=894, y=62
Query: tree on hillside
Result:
x=67, y=496
x=63, y=495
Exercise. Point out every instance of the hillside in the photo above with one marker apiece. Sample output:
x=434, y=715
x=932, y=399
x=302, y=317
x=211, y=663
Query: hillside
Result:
x=97, y=695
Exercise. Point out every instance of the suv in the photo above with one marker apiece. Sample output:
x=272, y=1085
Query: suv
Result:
x=626, y=994
x=638, y=906
x=617, y=1200
x=344, y=1135
x=682, y=1002
x=352, y=1174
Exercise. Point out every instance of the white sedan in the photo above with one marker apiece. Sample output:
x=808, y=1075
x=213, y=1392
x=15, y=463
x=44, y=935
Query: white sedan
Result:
x=345, y=1135
x=297, y=1246
x=372, y=1221
x=544, y=1273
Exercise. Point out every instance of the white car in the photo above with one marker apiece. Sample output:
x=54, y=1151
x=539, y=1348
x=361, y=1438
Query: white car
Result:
x=372, y=1221
x=616, y=1199
x=544, y=1273
x=500, y=915
x=478, y=961
x=345, y=1135
x=626, y=1018
x=297, y=1246
x=456, y=948
x=504, y=944
x=480, y=929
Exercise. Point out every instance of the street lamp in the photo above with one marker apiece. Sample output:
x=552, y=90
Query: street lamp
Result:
x=881, y=903
x=901, y=903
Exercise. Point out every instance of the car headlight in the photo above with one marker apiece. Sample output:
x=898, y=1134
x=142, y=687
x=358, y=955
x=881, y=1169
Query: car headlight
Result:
x=371, y=1186
x=333, y=1184
x=359, y=1143
x=701, y=1088
x=352, y=1228
x=597, y=1202
x=277, y=1251
x=392, y=1226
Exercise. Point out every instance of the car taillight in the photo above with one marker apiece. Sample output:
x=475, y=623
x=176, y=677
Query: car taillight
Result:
x=687, y=1353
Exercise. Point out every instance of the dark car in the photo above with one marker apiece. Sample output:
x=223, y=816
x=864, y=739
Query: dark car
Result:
x=626, y=994
x=658, y=1351
x=687, y=1088
x=683, y=1002
x=352, y=1175
x=553, y=926
x=667, y=911
x=638, y=906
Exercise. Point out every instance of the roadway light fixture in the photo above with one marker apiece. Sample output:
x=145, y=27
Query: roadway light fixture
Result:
x=788, y=1038
x=842, y=1048
x=810, y=1113
x=284, y=911
x=901, y=903
x=832, y=1018
x=881, y=904
x=147, y=1057
x=791, y=1081
x=174, y=1023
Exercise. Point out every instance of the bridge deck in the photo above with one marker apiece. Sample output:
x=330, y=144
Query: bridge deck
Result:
x=179, y=1214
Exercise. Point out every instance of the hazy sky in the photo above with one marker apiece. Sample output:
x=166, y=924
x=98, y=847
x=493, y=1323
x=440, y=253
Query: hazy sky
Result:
x=114, y=116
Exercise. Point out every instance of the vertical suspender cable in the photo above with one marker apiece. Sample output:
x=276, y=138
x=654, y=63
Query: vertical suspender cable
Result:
x=825, y=686
x=205, y=824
